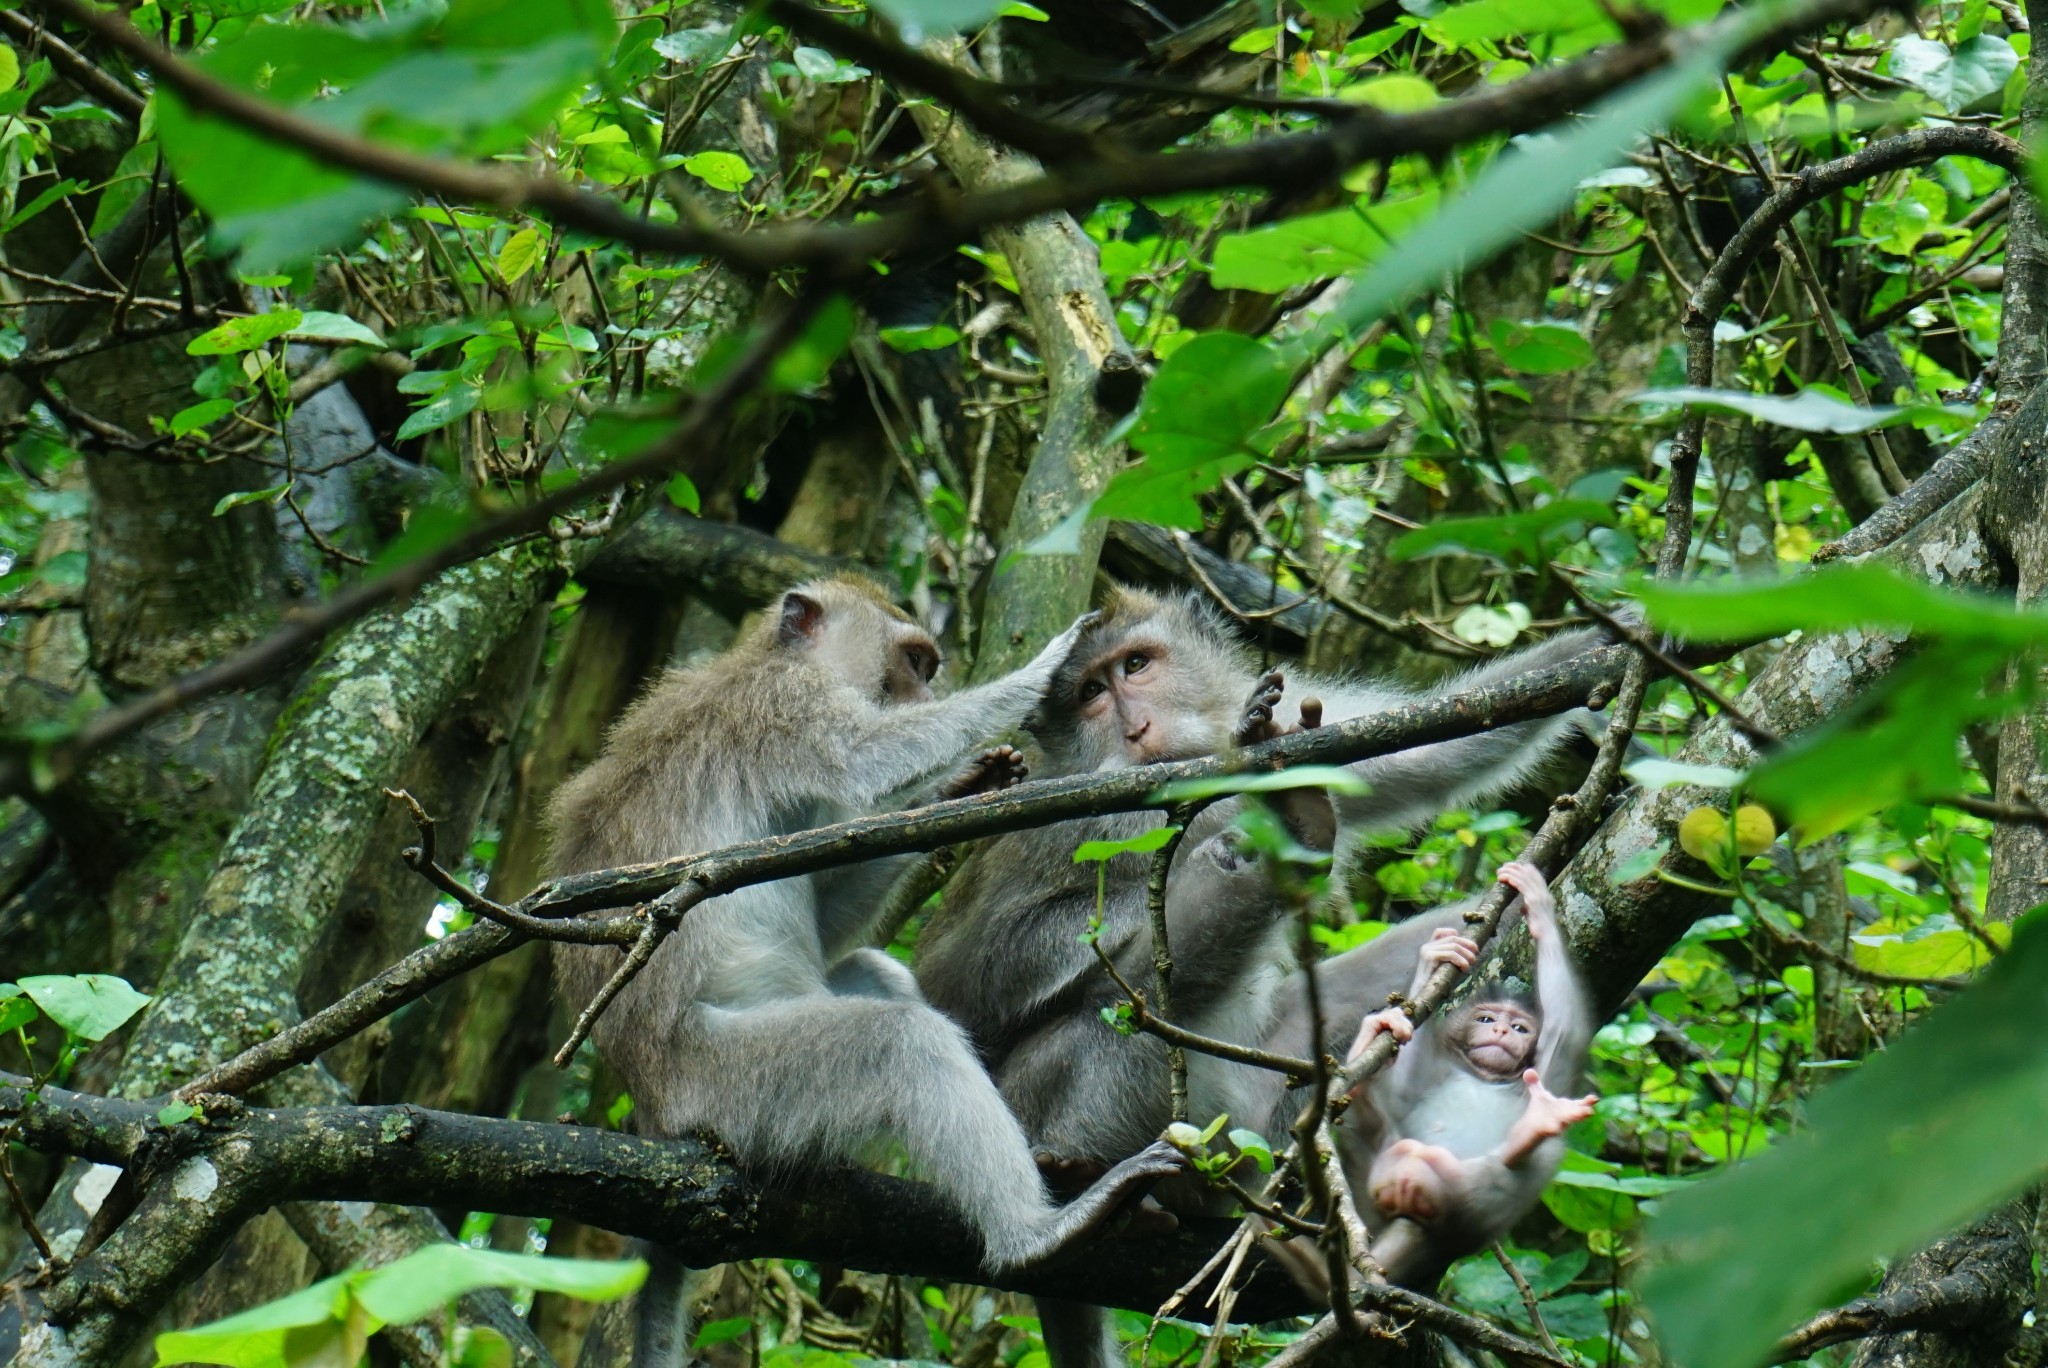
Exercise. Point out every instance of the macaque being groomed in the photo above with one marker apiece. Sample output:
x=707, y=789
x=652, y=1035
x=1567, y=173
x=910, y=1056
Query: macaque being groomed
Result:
x=1455, y=1140
x=758, y=1020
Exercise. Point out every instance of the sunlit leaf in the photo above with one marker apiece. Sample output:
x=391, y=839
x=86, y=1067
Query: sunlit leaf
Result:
x=1834, y=598
x=89, y=1006
x=1334, y=778
x=719, y=170
x=1142, y=844
x=321, y=326
x=244, y=334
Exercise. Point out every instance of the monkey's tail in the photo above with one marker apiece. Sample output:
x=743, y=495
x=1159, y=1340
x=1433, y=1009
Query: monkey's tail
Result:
x=661, y=1332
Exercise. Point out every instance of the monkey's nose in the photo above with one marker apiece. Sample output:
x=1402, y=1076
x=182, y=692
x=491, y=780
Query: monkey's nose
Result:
x=1135, y=736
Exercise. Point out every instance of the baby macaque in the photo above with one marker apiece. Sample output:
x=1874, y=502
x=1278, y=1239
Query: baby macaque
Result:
x=757, y=1020
x=1462, y=1128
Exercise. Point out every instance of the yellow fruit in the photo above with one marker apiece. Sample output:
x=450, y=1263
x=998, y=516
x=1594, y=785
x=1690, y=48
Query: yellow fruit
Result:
x=1704, y=835
x=1754, y=829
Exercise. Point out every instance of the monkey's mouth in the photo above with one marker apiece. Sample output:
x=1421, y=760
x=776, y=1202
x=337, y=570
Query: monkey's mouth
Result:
x=1495, y=1058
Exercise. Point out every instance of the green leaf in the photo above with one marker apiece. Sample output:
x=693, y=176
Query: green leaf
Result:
x=321, y=326
x=930, y=338
x=1195, y=427
x=1949, y=1119
x=430, y=526
x=1142, y=844
x=719, y=170
x=17, y=1009
x=683, y=494
x=10, y=68
x=1529, y=536
x=61, y=190
x=257, y=1338
x=1892, y=742
x=445, y=408
x=1835, y=598
x=805, y=362
x=244, y=334
x=723, y=1331
x=1485, y=20
x=249, y=496
x=1810, y=410
x=521, y=252
x=189, y=420
x=1315, y=246
x=174, y=1113
x=1253, y=1146
x=1955, y=79
x=1539, y=348
x=89, y=1006
x=1334, y=778
x=428, y=1279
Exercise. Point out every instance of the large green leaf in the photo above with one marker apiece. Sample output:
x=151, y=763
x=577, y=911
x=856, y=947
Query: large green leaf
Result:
x=331, y=1317
x=1195, y=427
x=1955, y=78
x=89, y=1006
x=473, y=80
x=1834, y=598
x=1893, y=742
x=1315, y=246
x=1948, y=1120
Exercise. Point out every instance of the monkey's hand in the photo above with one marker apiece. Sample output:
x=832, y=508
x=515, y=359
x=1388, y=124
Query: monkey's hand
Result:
x=1255, y=722
x=1446, y=946
x=1388, y=1021
x=1527, y=880
x=990, y=772
x=1059, y=648
x=1546, y=1115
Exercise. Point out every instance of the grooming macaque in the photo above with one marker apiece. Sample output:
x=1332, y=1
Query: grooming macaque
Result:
x=1164, y=678
x=756, y=1021
x=1451, y=1143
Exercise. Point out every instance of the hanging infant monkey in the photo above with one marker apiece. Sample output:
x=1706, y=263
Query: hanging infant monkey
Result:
x=1454, y=1141
x=758, y=1020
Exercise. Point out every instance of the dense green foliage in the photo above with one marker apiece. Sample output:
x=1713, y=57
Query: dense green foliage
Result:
x=1431, y=404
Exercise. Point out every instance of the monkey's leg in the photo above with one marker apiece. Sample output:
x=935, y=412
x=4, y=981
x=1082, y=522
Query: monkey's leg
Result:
x=814, y=1079
x=661, y=1337
x=1078, y=1335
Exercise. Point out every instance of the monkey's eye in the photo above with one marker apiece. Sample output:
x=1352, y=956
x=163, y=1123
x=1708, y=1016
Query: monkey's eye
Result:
x=923, y=661
x=1521, y=1028
x=1091, y=689
x=1485, y=1018
x=1136, y=661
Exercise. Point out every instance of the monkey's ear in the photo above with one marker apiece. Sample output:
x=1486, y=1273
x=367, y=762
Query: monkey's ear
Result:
x=802, y=616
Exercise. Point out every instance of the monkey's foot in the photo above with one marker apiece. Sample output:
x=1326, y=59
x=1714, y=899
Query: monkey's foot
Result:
x=992, y=771
x=1088, y=1213
x=1068, y=1177
x=1255, y=723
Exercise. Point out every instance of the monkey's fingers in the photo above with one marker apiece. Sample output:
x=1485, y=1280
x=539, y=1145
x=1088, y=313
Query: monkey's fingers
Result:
x=1311, y=713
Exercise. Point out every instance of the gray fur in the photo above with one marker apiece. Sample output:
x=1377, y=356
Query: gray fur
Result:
x=752, y=1021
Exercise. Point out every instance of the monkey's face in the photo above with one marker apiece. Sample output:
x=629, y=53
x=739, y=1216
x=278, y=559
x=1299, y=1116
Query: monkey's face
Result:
x=1135, y=705
x=861, y=638
x=1499, y=1037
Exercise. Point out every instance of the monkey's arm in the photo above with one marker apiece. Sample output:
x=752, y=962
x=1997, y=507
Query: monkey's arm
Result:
x=885, y=748
x=1567, y=1031
x=1412, y=786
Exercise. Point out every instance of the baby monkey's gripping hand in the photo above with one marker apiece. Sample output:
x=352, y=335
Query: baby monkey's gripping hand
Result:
x=1444, y=946
x=1546, y=1115
x=1541, y=909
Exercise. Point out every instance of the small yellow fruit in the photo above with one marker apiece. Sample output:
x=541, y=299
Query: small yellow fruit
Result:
x=1704, y=835
x=1754, y=829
